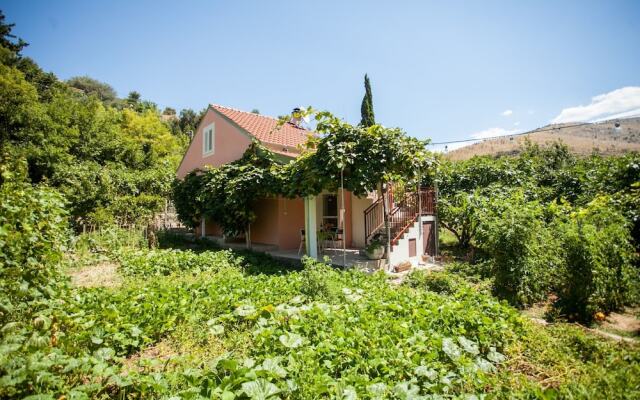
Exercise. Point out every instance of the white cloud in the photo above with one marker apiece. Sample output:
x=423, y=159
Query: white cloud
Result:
x=531, y=112
x=506, y=113
x=619, y=103
x=516, y=123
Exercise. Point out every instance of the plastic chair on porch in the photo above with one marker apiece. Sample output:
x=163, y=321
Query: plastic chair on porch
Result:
x=337, y=236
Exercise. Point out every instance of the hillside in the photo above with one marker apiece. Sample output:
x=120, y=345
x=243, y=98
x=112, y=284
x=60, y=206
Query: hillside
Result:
x=598, y=137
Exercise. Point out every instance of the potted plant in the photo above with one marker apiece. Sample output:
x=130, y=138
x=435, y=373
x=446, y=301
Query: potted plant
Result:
x=375, y=249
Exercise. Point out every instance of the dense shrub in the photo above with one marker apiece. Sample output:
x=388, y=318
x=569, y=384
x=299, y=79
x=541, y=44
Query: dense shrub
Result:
x=318, y=280
x=525, y=256
x=473, y=272
x=34, y=307
x=436, y=281
x=600, y=275
x=33, y=234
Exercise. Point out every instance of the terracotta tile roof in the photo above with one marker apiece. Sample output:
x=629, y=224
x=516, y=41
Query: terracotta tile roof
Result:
x=265, y=128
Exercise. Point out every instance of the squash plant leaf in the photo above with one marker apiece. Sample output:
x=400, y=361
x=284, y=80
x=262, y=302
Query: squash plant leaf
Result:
x=260, y=389
x=291, y=340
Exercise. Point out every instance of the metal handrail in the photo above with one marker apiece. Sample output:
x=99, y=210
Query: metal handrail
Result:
x=401, y=216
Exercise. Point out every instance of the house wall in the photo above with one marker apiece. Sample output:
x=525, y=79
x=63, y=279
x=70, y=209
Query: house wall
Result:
x=211, y=228
x=358, y=205
x=290, y=221
x=400, y=252
x=265, y=228
x=229, y=144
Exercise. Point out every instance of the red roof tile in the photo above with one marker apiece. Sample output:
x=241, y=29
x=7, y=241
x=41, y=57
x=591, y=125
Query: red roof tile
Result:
x=265, y=128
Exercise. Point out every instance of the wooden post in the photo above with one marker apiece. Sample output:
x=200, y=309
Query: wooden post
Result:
x=435, y=215
x=344, y=222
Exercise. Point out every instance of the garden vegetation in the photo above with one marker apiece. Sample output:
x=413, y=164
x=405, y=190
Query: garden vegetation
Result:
x=546, y=223
x=189, y=321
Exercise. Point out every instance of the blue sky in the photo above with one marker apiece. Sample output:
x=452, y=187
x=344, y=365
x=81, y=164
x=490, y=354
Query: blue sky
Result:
x=440, y=70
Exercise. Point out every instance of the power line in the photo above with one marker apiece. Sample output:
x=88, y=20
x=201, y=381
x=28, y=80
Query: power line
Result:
x=550, y=128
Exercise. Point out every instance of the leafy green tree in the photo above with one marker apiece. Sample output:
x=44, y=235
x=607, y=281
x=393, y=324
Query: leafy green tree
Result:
x=189, y=120
x=525, y=257
x=461, y=214
x=97, y=154
x=91, y=86
x=7, y=39
x=133, y=98
x=600, y=275
x=366, y=109
x=19, y=107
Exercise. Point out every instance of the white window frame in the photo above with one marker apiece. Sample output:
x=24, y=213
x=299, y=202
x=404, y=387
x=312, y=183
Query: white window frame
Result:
x=208, y=139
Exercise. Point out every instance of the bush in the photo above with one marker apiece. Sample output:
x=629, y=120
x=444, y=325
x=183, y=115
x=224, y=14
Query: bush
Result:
x=318, y=280
x=33, y=234
x=524, y=254
x=435, y=281
x=600, y=275
x=475, y=273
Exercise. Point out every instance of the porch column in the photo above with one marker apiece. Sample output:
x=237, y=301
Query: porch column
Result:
x=203, y=228
x=310, y=226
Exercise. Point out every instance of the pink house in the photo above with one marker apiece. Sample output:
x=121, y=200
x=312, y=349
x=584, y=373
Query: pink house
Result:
x=224, y=134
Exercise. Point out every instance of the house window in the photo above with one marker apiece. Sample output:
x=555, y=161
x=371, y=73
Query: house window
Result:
x=330, y=211
x=208, y=144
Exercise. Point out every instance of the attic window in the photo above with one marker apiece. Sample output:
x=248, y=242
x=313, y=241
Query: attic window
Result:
x=209, y=133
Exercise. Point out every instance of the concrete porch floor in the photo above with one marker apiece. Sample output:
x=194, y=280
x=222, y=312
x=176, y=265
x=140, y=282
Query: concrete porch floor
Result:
x=352, y=258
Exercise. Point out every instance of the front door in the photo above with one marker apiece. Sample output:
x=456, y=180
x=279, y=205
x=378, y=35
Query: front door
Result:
x=429, y=237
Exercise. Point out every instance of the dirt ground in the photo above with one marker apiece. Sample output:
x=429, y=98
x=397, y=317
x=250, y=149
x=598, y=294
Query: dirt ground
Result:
x=625, y=324
x=103, y=274
x=161, y=351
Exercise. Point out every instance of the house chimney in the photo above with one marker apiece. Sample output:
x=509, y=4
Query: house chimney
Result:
x=296, y=117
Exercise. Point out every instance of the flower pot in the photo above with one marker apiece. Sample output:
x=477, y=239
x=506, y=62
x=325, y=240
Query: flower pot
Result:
x=375, y=253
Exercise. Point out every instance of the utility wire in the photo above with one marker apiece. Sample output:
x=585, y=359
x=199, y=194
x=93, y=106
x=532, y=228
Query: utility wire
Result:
x=550, y=128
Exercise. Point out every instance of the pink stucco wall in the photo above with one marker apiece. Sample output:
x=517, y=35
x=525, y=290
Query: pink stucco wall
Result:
x=265, y=228
x=278, y=222
x=229, y=144
x=290, y=221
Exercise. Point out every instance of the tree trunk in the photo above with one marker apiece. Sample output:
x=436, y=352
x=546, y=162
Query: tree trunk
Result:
x=247, y=236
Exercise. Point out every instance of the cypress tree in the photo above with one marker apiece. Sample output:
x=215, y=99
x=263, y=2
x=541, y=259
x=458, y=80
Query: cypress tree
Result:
x=366, y=110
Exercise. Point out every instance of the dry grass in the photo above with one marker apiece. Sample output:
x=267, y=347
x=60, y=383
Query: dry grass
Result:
x=160, y=353
x=577, y=144
x=599, y=138
x=103, y=274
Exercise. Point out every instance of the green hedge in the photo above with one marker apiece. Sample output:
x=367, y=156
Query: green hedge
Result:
x=600, y=275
